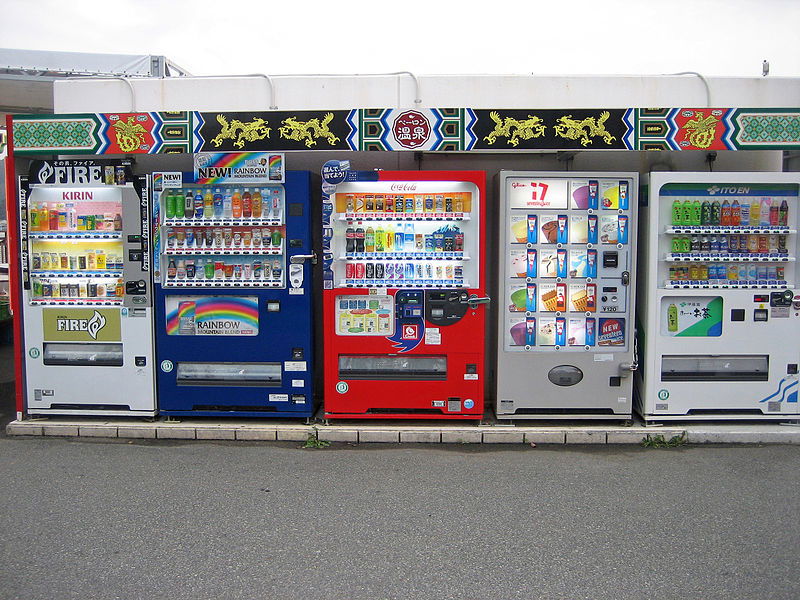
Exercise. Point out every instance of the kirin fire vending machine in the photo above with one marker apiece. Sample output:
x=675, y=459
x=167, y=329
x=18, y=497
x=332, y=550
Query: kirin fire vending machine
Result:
x=404, y=293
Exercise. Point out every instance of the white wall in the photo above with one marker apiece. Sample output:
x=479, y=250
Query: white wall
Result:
x=309, y=92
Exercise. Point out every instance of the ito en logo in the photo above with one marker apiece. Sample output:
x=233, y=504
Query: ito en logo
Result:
x=411, y=129
x=91, y=326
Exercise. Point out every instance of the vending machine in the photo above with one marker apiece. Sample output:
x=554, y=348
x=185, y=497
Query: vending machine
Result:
x=404, y=304
x=86, y=289
x=566, y=337
x=234, y=293
x=719, y=310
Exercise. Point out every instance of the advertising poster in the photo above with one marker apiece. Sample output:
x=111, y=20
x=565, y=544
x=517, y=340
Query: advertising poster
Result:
x=691, y=316
x=537, y=193
x=212, y=315
x=364, y=315
x=239, y=167
x=611, y=332
x=81, y=325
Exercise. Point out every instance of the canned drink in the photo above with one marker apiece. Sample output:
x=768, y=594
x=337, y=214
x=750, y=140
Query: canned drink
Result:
x=379, y=271
x=37, y=261
x=219, y=269
x=101, y=290
x=209, y=236
x=409, y=204
x=256, y=269
x=108, y=175
x=64, y=261
x=763, y=243
x=256, y=237
x=458, y=272
x=247, y=270
x=237, y=239
x=237, y=271
x=780, y=273
x=180, y=236
x=227, y=236
x=428, y=271
x=449, y=243
x=228, y=267
x=247, y=238
x=439, y=272
x=439, y=206
x=782, y=244
x=170, y=237
x=438, y=241
x=448, y=205
x=418, y=271
x=73, y=262
x=762, y=272
x=82, y=291
x=266, y=236
x=92, y=290
x=189, y=236
x=81, y=262
x=119, y=175
x=449, y=271
x=429, y=243
x=349, y=270
x=773, y=243
x=428, y=203
x=419, y=242
x=267, y=269
x=459, y=241
x=81, y=222
x=772, y=273
x=218, y=237
x=73, y=290
x=369, y=269
x=419, y=204
x=359, y=270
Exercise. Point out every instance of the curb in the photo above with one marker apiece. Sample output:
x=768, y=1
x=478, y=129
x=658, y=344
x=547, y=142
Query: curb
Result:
x=403, y=434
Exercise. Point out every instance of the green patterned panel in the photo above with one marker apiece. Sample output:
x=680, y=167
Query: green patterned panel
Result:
x=64, y=135
x=767, y=128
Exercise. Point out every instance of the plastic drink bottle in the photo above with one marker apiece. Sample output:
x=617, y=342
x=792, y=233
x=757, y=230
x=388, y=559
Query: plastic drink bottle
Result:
x=256, y=204
x=706, y=213
x=217, y=203
x=408, y=244
x=677, y=213
x=227, y=205
x=755, y=213
x=736, y=214
x=716, y=212
x=236, y=204
x=783, y=214
x=198, y=205
x=694, y=213
x=725, y=213
x=379, y=239
x=247, y=204
x=208, y=204
x=388, y=239
x=188, y=205
x=399, y=242
x=745, y=214
x=169, y=201
x=369, y=240
x=766, y=205
x=773, y=215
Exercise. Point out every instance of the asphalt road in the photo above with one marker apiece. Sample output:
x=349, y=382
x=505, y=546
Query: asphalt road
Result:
x=115, y=519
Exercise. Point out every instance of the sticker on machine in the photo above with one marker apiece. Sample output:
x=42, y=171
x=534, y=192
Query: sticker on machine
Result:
x=212, y=315
x=279, y=397
x=433, y=336
x=294, y=365
x=691, y=316
x=611, y=332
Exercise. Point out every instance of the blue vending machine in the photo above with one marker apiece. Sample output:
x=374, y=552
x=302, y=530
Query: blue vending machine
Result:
x=234, y=304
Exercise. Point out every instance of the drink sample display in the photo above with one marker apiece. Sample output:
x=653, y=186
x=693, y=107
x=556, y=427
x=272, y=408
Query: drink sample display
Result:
x=230, y=232
x=717, y=297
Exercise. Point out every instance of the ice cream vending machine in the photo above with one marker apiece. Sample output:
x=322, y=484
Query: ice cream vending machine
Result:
x=566, y=293
x=234, y=324
x=86, y=289
x=719, y=311
x=404, y=298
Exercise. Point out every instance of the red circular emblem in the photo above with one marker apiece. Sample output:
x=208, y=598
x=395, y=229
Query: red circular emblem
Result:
x=411, y=129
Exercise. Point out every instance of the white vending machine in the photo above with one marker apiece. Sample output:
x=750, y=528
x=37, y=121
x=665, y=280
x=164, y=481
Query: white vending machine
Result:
x=86, y=289
x=566, y=343
x=719, y=314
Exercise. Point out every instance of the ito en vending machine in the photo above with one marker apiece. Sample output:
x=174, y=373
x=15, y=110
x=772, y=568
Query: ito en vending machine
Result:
x=233, y=288
x=86, y=289
x=404, y=294
x=719, y=308
x=566, y=344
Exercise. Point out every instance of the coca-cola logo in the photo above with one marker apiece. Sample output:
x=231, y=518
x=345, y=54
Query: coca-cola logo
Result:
x=411, y=129
x=403, y=187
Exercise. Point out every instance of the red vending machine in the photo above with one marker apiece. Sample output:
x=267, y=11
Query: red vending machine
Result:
x=404, y=297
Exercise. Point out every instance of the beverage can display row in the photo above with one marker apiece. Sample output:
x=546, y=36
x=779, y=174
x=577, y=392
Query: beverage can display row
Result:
x=402, y=271
x=763, y=212
x=50, y=288
x=730, y=244
x=89, y=260
x=65, y=217
x=199, y=269
x=224, y=237
x=407, y=203
x=743, y=273
x=403, y=239
x=222, y=204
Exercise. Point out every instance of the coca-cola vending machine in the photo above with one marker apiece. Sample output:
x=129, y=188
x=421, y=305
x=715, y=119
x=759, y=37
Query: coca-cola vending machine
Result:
x=404, y=294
